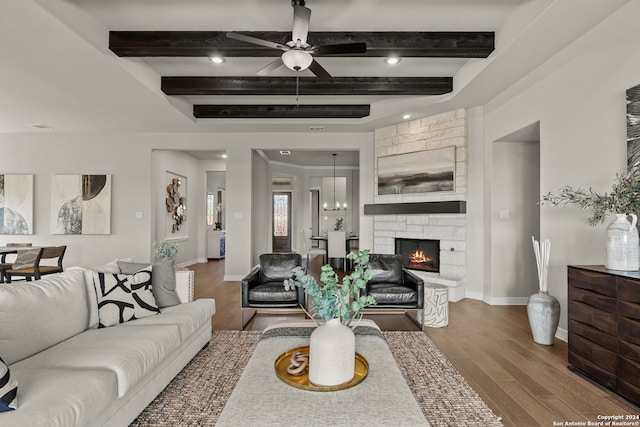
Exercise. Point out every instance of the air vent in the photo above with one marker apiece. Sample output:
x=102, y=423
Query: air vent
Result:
x=316, y=128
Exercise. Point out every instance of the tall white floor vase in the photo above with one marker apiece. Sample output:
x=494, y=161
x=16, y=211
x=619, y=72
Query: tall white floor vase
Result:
x=623, y=250
x=332, y=352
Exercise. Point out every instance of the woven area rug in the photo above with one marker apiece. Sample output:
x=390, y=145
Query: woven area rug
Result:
x=197, y=395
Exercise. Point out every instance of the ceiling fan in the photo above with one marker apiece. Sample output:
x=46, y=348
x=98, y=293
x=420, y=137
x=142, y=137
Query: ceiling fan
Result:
x=297, y=54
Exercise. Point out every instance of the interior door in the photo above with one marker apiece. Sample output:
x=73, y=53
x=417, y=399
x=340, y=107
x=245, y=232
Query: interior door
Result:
x=281, y=238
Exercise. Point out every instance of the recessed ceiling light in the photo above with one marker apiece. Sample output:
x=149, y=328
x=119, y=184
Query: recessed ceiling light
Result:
x=406, y=116
x=224, y=156
x=392, y=60
x=285, y=152
x=39, y=126
x=217, y=59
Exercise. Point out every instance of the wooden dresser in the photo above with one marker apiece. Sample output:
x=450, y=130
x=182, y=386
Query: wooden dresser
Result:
x=604, y=327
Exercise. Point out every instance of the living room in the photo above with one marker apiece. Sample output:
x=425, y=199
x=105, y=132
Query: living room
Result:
x=560, y=102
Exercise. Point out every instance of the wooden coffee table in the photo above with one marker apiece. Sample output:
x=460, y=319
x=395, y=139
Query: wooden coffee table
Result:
x=261, y=399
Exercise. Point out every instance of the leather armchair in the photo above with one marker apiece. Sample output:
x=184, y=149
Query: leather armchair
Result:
x=263, y=286
x=392, y=285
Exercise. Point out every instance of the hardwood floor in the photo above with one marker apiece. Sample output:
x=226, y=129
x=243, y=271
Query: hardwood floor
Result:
x=525, y=383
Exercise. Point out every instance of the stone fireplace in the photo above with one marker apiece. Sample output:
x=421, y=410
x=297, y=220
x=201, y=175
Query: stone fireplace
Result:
x=436, y=216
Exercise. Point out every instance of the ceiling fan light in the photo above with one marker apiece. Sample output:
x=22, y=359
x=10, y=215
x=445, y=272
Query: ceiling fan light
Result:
x=216, y=59
x=392, y=60
x=297, y=60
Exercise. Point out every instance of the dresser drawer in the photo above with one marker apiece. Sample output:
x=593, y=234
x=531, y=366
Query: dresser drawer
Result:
x=593, y=334
x=597, y=355
x=600, y=283
x=604, y=320
x=606, y=378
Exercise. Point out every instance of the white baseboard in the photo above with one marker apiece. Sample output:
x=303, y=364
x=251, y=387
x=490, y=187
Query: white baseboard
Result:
x=191, y=262
x=562, y=334
x=474, y=295
x=506, y=300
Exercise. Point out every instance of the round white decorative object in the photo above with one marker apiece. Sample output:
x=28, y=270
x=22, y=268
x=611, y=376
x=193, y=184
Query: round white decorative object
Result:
x=623, y=250
x=332, y=350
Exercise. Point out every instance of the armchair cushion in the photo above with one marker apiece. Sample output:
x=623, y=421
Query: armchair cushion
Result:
x=272, y=292
x=385, y=269
x=398, y=294
x=278, y=267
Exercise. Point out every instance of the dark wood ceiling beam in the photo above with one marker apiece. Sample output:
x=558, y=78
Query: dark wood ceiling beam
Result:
x=307, y=86
x=239, y=111
x=455, y=44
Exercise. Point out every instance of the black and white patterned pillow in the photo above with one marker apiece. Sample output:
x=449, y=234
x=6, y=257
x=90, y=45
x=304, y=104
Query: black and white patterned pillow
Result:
x=124, y=297
x=8, y=389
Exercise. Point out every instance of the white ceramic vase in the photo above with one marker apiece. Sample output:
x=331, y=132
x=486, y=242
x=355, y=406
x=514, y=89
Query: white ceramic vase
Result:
x=332, y=352
x=623, y=250
x=543, y=311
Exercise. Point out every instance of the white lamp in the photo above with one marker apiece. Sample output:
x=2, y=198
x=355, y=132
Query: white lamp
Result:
x=297, y=60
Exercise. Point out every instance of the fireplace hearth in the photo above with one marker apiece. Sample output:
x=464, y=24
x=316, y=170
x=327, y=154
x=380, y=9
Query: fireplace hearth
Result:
x=419, y=254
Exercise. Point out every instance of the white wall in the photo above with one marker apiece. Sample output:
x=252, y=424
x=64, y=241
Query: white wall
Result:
x=44, y=155
x=179, y=163
x=579, y=99
x=515, y=189
x=261, y=207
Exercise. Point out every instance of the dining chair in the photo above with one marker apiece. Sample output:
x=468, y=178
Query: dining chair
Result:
x=28, y=263
x=337, y=246
x=4, y=265
x=311, y=251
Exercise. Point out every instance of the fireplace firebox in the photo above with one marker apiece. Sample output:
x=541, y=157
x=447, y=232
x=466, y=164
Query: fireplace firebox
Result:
x=419, y=254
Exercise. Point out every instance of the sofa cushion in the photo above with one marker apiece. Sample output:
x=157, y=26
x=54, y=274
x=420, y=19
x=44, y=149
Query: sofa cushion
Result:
x=131, y=352
x=111, y=267
x=188, y=317
x=35, y=315
x=385, y=269
x=124, y=297
x=8, y=389
x=163, y=281
x=61, y=397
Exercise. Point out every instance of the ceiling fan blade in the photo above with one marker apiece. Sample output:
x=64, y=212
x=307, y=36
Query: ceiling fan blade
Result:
x=272, y=66
x=334, y=49
x=301, y=18
x=253, y=40
x=319, y=71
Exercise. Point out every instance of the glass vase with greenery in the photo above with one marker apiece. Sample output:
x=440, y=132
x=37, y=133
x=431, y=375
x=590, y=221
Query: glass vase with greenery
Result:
x=624, y=197
x=332, y=299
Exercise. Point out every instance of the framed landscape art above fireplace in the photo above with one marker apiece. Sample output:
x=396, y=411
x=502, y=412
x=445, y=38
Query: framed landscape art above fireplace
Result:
x=425, y=171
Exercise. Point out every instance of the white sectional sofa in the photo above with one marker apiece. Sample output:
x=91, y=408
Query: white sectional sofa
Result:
x=71, y=373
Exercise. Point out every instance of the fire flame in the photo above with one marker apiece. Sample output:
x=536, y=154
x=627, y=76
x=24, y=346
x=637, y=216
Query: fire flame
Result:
x=419, y=257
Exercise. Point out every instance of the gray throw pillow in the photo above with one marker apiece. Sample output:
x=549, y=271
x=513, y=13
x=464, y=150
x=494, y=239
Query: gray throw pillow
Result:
x=163, y=280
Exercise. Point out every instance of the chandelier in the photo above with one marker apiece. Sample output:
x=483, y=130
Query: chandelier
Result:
x=336, y=204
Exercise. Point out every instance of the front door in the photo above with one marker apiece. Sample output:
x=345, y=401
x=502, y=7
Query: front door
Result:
x=281, y=239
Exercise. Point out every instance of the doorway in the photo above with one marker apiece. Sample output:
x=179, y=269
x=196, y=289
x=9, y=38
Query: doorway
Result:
x=281, y=230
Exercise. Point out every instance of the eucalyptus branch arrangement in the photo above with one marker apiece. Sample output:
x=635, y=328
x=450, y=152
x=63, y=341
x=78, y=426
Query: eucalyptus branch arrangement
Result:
x=333, y=300
x=624, y=197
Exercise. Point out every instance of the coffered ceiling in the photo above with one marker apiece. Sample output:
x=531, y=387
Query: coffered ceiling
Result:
x=142, y=65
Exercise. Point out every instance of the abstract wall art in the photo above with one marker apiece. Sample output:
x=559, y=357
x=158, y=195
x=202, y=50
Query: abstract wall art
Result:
x=175, y=206
x=419, y=172
x=16, y=204
x=633, y=125
x=81, y=204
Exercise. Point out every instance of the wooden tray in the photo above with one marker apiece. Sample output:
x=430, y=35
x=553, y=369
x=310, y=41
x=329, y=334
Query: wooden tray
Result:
x=302, y=381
